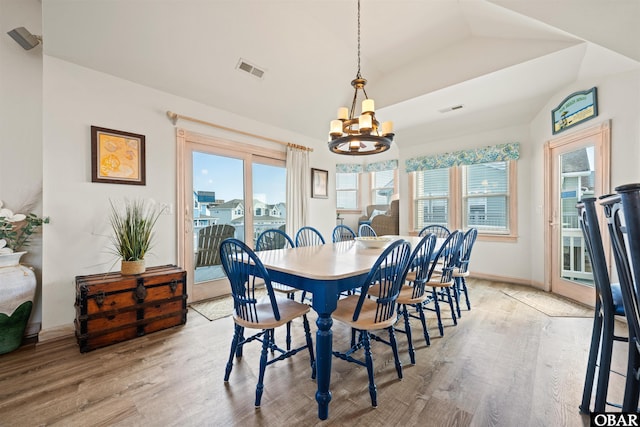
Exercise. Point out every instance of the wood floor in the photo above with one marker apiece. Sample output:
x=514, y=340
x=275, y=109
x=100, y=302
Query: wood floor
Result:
x=505, y=364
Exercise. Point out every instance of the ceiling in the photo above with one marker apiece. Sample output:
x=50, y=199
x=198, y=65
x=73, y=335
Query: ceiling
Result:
x=502, y=60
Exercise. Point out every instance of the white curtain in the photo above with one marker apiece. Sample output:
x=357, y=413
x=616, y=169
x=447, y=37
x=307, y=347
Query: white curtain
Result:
x=298, y=189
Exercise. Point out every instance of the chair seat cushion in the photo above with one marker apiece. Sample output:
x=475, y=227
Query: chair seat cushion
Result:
x=347, y=306
x=289, y=310
x=616, y=293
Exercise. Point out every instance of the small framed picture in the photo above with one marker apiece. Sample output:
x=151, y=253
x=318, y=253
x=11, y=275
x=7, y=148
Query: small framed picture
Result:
x=117, y=157
x=319, y=183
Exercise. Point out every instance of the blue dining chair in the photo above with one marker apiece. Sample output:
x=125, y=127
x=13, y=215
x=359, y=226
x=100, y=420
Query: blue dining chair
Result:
x=244, y=271
x=277, y=239
x=441, y=277
x=413, y=293
x=623, y=217
x=365, y=312
x=461, y=272
x=342, y=233
x=309, y=236
x=609, y=304
x=439, y=230
x=365, y=230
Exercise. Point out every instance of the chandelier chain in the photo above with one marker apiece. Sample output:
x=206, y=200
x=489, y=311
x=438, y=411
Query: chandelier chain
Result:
x=358, y=75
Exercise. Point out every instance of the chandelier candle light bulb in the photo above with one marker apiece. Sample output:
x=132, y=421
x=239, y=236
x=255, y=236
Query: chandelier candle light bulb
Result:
x=387, y=128
x=364, y=122
x=368, y=105
x=336, y=127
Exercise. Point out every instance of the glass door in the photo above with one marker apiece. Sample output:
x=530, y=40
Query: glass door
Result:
x=269, y=196
x=578, y=168
x=218, y=213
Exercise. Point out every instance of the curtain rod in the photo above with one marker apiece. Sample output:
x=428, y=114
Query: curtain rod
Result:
x=175, y=116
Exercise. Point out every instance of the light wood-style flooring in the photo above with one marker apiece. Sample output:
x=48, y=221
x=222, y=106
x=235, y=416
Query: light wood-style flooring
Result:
x=505, y=364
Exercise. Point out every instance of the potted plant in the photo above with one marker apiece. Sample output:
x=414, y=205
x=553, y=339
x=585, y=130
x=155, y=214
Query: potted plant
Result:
x=132, y=225
x=16, y=230
x=17, y=282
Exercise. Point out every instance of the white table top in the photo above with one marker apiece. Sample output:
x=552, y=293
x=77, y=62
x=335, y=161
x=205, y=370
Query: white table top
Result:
x=330, y=261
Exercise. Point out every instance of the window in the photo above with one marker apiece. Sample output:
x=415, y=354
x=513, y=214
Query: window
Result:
x=432, y=197
x=347, y=191
x=460, y=197
x=485, y=196
x=382, y=187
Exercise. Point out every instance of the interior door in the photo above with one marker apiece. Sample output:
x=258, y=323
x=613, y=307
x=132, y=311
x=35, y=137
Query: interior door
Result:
x=578, y=166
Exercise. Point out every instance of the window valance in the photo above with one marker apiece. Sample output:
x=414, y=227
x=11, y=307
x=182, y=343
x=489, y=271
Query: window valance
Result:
x=386, y=165
x=348, y=168
x=494, y=153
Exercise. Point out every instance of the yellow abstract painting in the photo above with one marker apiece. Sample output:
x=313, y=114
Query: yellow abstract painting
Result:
x=118, y=157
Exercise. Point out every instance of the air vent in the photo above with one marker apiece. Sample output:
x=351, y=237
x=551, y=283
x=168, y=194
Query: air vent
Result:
x=250, y=68
x=449, y=109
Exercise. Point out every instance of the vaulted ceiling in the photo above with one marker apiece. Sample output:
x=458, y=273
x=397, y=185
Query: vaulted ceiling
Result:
x=501, y=60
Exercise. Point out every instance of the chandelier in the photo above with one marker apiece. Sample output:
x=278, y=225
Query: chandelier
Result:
x=359, y=135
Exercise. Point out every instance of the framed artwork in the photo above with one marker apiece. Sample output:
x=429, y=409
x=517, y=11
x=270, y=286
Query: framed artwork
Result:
x=574, y=109
x=319, y=183
x=117, y=157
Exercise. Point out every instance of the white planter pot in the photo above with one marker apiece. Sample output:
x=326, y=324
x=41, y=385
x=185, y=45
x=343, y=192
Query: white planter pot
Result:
x=17, y=291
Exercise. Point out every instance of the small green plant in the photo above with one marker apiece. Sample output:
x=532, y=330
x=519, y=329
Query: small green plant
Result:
x=16, y=229
x=132, y=226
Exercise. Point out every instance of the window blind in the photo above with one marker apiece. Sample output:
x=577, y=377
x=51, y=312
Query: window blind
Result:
x=347, y=190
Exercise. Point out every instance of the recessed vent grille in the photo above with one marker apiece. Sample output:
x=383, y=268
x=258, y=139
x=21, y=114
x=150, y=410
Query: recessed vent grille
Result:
x=448, y=109
x=250, y=68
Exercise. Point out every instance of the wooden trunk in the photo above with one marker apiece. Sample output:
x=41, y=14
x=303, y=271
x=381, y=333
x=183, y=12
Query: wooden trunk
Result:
x=111, y=308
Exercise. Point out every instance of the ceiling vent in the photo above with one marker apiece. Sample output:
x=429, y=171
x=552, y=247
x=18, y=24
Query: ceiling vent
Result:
x=449, y=109
x=250, y=68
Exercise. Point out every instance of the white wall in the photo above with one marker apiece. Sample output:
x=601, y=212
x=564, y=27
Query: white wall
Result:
x=21, y=124
x=76, y=242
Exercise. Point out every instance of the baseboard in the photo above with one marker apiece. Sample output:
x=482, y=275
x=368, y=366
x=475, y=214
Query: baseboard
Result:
x=507, y=279
x=64, y=331
x=32, y=330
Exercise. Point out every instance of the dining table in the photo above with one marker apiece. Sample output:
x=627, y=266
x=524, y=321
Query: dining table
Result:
x=325, y=271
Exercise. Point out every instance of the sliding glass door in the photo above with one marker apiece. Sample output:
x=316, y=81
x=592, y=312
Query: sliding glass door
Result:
x=269, y=198
x=218, y=210
x=227, y=190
